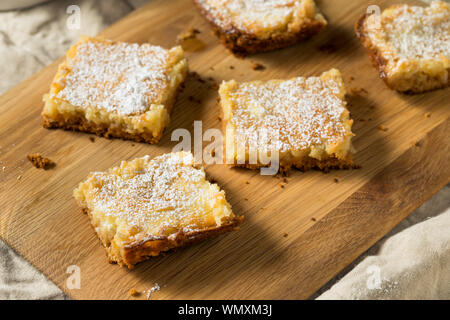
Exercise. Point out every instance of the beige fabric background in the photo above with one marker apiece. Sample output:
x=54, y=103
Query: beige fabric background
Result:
x=411, y=262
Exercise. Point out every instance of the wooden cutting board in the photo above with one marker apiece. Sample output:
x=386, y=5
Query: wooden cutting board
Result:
x=294, y=239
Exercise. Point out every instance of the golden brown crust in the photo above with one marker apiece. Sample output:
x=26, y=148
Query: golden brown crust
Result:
x=242, y=43
x=376, y=57
x=80, y=123
x=40, y=162
x=139, y=251
x=380, y=63
x=308, y=163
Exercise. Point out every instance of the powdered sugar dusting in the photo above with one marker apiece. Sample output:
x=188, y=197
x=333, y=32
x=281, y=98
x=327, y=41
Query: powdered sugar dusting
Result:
x=166, y=191
x=414, y=32
x=116, y=77
x=246, y=13
x=300, y=112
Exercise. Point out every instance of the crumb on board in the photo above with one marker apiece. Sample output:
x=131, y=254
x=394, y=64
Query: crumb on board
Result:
x=258, y=66
x=416, y=143
x=313, y=219
x=285, y=235
x=281, y=186
x=212, y=180
x=40, y=162
x=382, y=128
x=247, y=182
x=189, y=41
x=193, y=99
x=328, y=47
x=214, y=85
x=246, y=199
x=19, y=177
x=92, y=139
x=357, y=91
x=189, y=34
x=232, y=67
x=133, y=292
x=336, y=180
x=427, y=115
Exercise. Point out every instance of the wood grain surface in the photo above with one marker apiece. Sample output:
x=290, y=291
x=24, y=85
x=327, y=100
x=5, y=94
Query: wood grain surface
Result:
x=294, y=239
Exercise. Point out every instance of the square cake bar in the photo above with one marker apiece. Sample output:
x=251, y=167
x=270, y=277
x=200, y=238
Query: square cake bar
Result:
x=304, y=120
x=115, y=89
x=409, y=45
x=252, y=26
x=148, y=206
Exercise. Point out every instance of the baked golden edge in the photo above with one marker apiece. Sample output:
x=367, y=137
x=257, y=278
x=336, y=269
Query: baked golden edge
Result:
x=153, y=246
x=380, y=63
x=307, y=163
x=80, y=123
x=242, y=43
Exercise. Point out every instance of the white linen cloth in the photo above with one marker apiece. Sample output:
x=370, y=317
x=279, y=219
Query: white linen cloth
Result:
x=411, y=262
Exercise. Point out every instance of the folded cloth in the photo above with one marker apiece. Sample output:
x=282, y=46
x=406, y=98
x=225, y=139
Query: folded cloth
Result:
x=33, y=38
x=410, y=262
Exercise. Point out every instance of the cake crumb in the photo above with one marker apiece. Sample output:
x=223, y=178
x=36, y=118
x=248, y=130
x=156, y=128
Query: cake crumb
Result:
x=258, y=67
x=281, y=186
x=232, y=67
x=313, y=219
x=246, y=199
x=19, y=177
x=189, y=34
x=328, y=47
x=285, y=235
x=382, y=128
x=134, y=292
x=247, y=182
x=357, y=91
x=92, y=139
x=427, y=115
x=189, y=42
x=336, y=180
x=416, y=143
x=214, y=86
x=40, y=162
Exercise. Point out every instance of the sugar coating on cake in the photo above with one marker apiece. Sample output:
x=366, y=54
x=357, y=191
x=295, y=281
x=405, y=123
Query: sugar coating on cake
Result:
x=300, y=112
x=116, y=77
x=412, y=32
x=154, y=194
x=258, y=15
